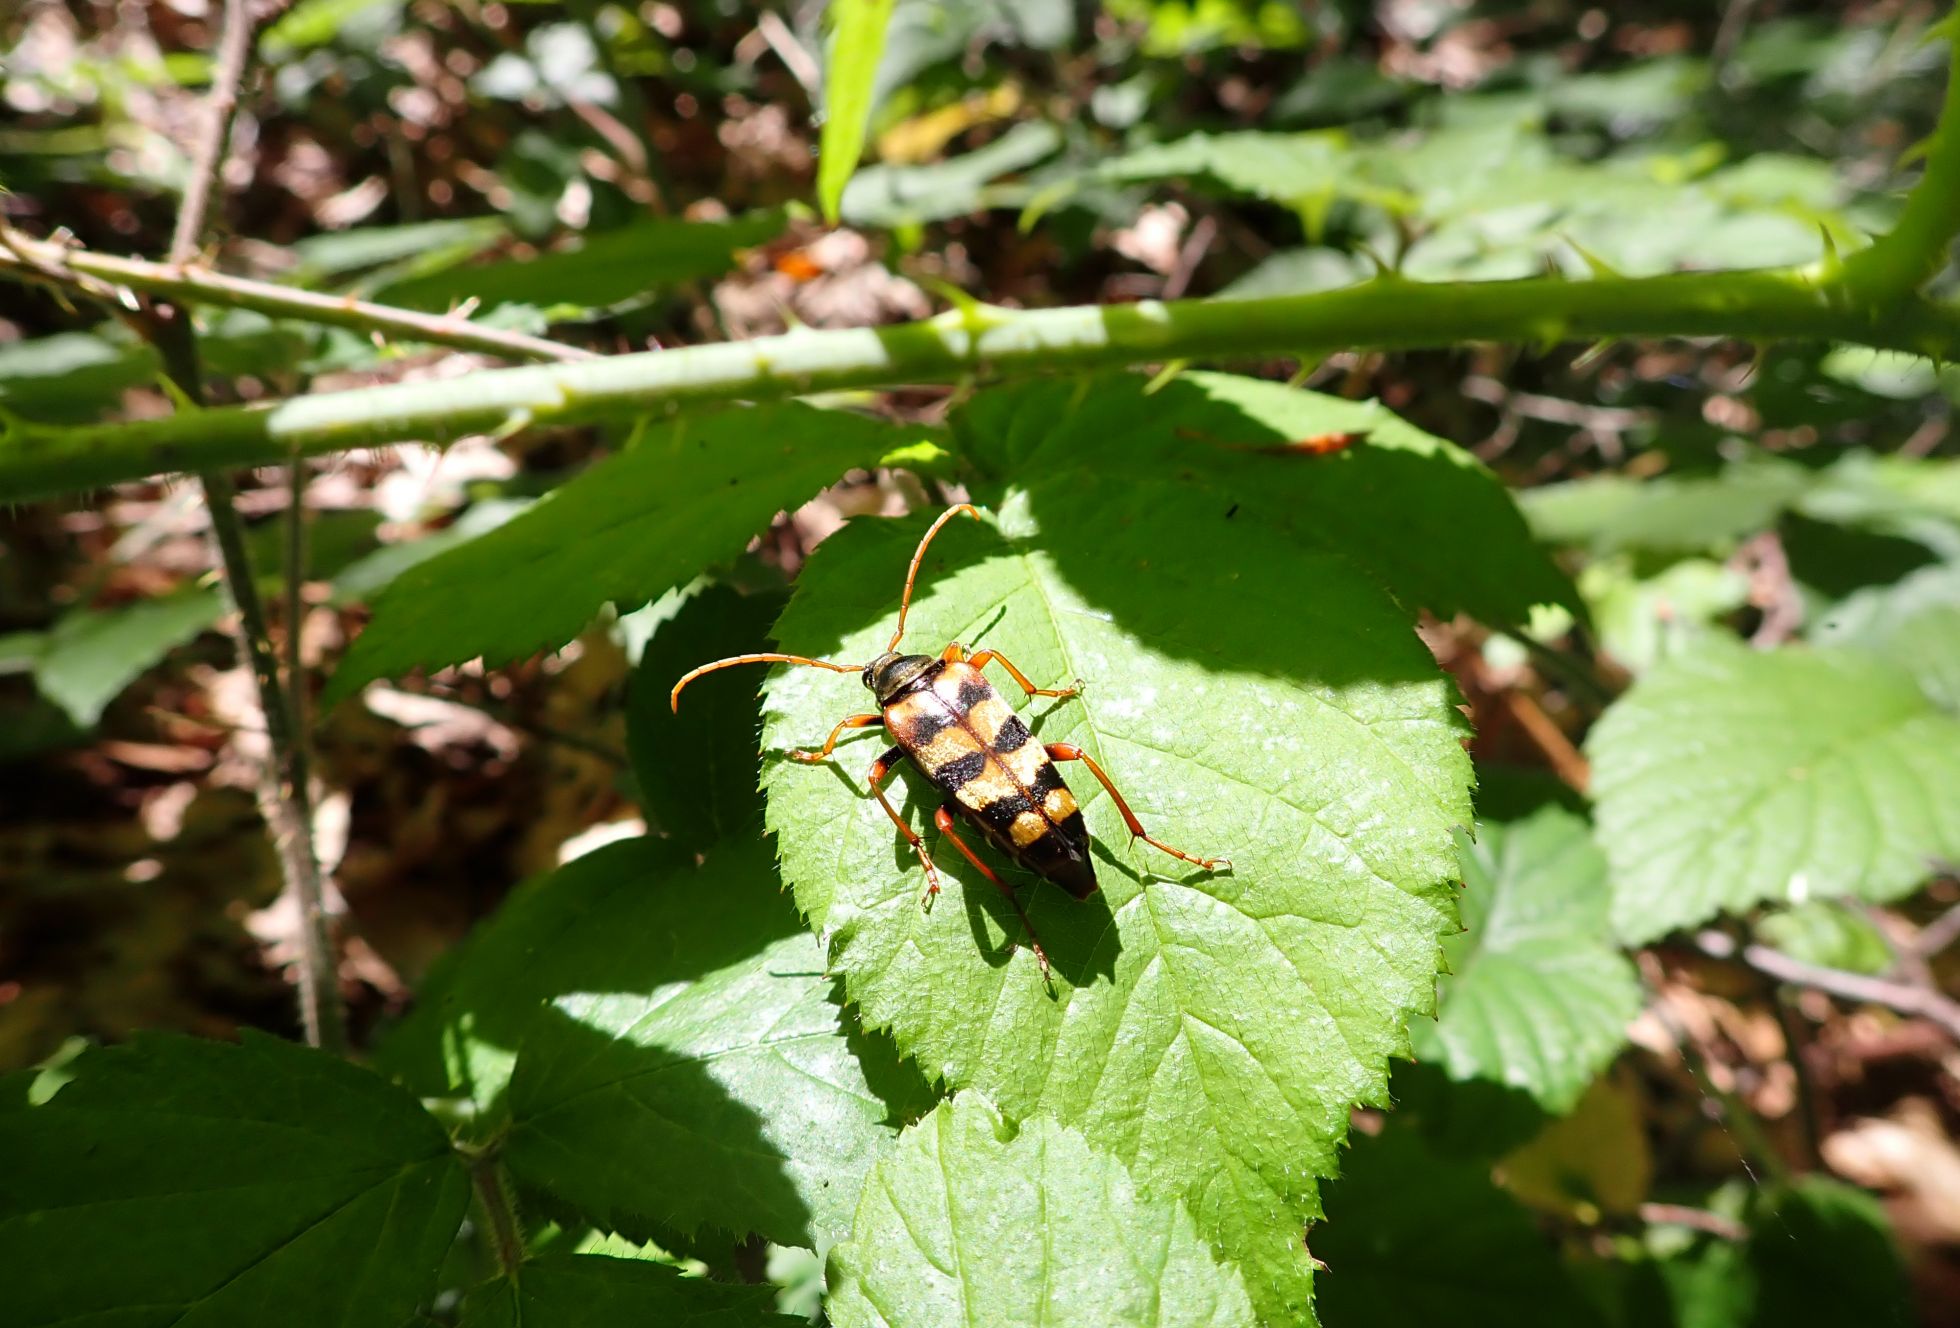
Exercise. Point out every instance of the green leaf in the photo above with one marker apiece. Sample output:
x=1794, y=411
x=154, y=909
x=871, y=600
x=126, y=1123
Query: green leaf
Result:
x=1413, y=1236
x=672, y=1048
x=636, y=524
x=72, y=375
x=1692, y=514
x=1822, y=1253
x=1914, y=622
x=855, y=46
x=92, y=654
x=603, y=270
x=895, y=196
x=1540, y=997
x=1829, y=935
x=1642, y=620
x=367, y=576
x=1731, y=776
x=1387, y=501
x=175, y=1181
x=591, y=1290
x=696, y=768
x=1253, y=701
x=970, y=1222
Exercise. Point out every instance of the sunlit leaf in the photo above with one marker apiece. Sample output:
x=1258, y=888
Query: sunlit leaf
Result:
x=855, y=45
x=969, y=1221
x=1253, y=700
x=1732, y=776
x=1539, y=997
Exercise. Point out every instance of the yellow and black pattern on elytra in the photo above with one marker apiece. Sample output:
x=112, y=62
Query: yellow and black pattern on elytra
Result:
x=969, y=742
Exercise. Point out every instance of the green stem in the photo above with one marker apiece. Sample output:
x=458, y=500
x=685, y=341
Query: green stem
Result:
x=1912, y=253
x=500, y=1213
x=1388, y=313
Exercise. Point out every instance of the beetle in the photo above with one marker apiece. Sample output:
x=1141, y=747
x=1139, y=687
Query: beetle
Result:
x=948, y=720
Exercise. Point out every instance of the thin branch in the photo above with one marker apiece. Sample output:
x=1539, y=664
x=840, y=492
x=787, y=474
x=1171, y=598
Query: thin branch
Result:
x=207, y=156
x=24, y=259
x=1937, y=935
x=981, y=343
x=285, y=795
x=1907, y=998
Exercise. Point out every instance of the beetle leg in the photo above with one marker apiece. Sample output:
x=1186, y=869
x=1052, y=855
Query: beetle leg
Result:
x=943, y=818
x=1062, y=751
x=880, y=771
x=854, y=722
x=986, y=657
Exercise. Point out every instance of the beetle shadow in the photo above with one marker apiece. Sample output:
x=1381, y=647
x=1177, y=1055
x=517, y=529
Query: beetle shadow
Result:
x=1079, y=936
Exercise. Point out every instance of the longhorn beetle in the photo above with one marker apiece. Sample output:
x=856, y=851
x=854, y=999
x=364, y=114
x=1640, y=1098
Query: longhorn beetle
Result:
x=964, y=737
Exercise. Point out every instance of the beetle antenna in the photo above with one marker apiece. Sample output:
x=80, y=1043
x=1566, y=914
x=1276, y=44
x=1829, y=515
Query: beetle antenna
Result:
x=688, y=677
x=912, y=572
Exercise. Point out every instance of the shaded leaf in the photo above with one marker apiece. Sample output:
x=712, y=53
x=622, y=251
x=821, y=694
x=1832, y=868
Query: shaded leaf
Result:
x=592, y=1290
x=855, y=45
x=1730, y=776
x=72, y=375
x=92, y=654
x=1209, y=1030
x=969, y=1221
x=703, y=1072
x=696, y=768
x=624, y=530
x=1594, y=1161
x=1413, y=1236
x=1822, y=1253
x=175, y=1181
x=603, y=270
x=1540, y=997
x=1387, y=500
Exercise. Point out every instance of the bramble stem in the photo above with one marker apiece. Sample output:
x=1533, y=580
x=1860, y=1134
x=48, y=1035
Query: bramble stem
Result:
x=285, y=798
x=1869, y=298
x=1388, y=313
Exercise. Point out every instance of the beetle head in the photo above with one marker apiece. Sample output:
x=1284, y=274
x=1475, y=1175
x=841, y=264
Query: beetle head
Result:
x=891, y=674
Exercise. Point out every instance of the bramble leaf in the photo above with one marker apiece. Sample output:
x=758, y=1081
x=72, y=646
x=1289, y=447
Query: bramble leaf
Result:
x=604, y=269
x=1414, y=1236
x=1210, y=1030
x=1345, y=476
x=695, y=767
x=1540, y=997
x=176, y=1181
x=93, y=654
x=588, y=1290
x=690, y=493
x=849, y=74
x=1731, y=776
x=665, y=1046
x=968, y=1221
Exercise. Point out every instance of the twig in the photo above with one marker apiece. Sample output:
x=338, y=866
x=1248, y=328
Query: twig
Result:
x=1699, y=1219
x=1906, y=998
x=99, y=275
x=1938, y=934
x=285, y=795
x=1565, y=759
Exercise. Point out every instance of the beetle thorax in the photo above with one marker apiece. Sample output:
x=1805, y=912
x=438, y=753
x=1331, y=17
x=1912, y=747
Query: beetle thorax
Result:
x=891, y=675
